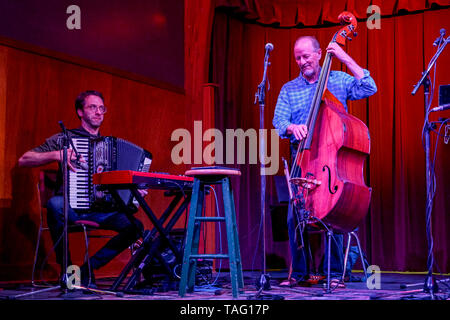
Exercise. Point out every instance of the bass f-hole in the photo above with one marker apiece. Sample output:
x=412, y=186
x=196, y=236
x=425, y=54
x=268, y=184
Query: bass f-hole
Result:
x=329, y=179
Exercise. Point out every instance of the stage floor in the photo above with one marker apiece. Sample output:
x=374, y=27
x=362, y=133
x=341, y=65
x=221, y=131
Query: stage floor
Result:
x=393, y=286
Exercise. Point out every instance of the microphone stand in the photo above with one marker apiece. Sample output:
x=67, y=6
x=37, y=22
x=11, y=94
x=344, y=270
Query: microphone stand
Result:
x=66, y=142
x=62, y=282
x=264, y=279
x=430, y=284
x=430, y=65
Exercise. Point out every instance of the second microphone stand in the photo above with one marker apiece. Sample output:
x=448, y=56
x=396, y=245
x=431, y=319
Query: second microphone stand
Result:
x=430, y=285
x=264, y=280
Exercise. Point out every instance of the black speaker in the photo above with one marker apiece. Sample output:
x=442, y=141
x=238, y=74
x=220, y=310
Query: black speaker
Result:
x=157, y=276
x=154, y=270
x=278, y=211
x=278, y=215
x=444, y=94
x=282, y=189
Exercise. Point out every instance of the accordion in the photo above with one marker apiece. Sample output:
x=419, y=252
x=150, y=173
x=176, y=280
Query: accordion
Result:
x=103, y=154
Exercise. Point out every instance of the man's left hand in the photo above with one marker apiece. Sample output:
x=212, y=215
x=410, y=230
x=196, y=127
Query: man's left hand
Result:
x=338, y=52
x=343, y=56
x=142, y=192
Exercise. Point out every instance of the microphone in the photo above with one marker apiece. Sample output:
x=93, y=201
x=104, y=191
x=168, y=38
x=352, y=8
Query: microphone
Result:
x=439, y=39
x=441, y=108
x=61, y=124
x=77, y=162
x=259, y=95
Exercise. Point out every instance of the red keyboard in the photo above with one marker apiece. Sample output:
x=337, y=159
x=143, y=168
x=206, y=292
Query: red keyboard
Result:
x=146, y=180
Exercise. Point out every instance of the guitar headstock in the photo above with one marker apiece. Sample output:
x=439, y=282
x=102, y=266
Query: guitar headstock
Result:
x=344, y=33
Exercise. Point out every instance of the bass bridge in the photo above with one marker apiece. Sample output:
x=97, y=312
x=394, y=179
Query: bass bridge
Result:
x=308, y=182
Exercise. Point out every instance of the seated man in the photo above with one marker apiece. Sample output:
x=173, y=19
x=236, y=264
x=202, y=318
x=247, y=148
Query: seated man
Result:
x=90, y=109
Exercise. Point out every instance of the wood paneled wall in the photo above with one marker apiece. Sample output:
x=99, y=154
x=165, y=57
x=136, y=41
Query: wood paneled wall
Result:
x=36, y=91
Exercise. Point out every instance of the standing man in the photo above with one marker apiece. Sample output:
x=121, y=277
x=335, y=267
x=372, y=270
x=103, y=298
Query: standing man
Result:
x=290, y=117
x=90, y=109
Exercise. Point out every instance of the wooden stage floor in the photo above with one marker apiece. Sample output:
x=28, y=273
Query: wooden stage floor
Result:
x=393, y=286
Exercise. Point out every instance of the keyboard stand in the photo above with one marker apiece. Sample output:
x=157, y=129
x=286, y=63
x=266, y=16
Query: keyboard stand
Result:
x=152, y=239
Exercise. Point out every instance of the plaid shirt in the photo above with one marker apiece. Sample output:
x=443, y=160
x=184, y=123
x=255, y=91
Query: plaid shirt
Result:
x=294, y=100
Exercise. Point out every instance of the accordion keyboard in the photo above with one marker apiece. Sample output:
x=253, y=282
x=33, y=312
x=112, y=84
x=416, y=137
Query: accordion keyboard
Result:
x=79, y=181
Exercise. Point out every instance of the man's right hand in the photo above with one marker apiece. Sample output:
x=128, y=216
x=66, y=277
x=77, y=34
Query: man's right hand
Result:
x=298, y=130
x=35, y=159
x=71, y=156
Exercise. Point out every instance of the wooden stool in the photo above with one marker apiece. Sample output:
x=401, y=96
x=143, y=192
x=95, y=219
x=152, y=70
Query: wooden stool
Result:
x=207, y=176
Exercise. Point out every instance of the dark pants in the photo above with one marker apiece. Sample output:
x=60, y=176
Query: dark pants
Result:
x=128, y=230
x=300, y=252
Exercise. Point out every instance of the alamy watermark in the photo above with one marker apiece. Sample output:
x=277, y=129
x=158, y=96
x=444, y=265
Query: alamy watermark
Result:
x=234, y=140
x=74, y=277
x=374, y=20
x=374, y=280
x=74, y=20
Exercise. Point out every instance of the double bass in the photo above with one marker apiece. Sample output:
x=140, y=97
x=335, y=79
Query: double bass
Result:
x=326, y=181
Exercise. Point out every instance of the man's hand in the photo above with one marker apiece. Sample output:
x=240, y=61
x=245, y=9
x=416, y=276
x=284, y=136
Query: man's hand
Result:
x=343, y=56
x=338, y=52
x=71, y=156
x=298, y=130
x=142, y=192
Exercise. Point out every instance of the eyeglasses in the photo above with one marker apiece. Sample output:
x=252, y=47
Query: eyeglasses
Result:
x=94, y=108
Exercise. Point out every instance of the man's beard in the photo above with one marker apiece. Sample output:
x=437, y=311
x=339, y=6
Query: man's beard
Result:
x=308, y=72
x=94, y=123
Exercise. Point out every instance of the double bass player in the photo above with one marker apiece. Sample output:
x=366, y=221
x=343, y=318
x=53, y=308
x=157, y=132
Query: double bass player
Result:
x=290, y=121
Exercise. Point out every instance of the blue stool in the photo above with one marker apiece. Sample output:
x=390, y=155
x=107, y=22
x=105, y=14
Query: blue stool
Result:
x=209, y=176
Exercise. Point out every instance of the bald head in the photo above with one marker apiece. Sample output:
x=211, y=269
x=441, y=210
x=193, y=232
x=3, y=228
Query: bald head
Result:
x=315, y=44
x=307, y=54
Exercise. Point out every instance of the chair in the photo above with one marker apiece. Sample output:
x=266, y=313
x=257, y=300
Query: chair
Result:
x=46, y=188
x=347, y=250
x=329, y=235
x=350, y=235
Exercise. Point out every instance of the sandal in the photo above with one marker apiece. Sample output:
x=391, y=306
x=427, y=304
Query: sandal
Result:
x=335, y=283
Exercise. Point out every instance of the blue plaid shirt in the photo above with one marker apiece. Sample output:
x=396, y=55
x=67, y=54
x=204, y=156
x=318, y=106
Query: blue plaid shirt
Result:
x=294, y=100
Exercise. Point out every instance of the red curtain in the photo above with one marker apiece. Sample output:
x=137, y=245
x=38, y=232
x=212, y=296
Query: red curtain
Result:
x=393, y=233
x=291, y=13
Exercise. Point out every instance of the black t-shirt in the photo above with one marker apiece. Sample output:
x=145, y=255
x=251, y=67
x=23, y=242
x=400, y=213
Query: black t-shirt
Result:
x=55, y=143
